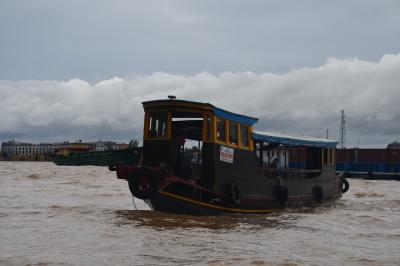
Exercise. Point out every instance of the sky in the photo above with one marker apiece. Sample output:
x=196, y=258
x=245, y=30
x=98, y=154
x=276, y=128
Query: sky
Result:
x=74, y=70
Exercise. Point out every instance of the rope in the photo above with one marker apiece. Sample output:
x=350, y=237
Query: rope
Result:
x=197, y=197
x=133, y=200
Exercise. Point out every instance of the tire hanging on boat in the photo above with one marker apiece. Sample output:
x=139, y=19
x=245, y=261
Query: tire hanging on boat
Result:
x=144, y=183
x=233, y=193
x=318, y=193
x=282, y=195
x=344, y=185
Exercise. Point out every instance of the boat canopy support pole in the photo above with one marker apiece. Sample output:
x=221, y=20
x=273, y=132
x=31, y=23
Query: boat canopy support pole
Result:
x=285, y=151
x=262, y=153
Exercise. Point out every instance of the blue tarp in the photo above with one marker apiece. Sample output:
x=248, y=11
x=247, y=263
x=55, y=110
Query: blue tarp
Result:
x=287, y=140
x=247, y=120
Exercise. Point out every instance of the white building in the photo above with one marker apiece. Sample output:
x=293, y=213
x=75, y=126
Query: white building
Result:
x=21, y=149
x=12, y=148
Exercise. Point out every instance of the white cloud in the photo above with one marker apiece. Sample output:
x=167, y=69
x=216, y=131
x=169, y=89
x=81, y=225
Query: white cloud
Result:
x=304, y=100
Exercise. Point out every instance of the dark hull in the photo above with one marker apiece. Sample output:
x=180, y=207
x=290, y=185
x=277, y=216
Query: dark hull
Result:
x=184, y=198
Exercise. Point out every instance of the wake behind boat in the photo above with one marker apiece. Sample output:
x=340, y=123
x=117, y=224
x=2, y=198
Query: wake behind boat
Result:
x=200, y=159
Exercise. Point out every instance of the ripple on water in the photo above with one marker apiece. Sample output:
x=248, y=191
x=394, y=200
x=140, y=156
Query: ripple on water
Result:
x=34, y=176
x=364, y=194
x=84, y=216
x=78, y=209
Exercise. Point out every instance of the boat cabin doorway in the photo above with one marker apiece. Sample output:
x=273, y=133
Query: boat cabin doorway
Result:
x=180, y=139
x=186, y=136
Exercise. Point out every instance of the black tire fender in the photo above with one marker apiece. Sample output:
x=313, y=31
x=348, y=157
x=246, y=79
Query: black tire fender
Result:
x=282, y=195
x=144, y=183
x=318, y=193
x=344, y=185
x=233, y=193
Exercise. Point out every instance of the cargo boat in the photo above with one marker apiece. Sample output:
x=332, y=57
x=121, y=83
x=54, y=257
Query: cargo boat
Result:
x=201, y=159
x=81, y=157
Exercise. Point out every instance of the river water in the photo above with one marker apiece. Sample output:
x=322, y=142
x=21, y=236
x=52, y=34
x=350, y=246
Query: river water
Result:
x=63, y=215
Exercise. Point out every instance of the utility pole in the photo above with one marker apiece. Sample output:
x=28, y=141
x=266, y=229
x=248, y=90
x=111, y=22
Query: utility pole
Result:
x=342, y=138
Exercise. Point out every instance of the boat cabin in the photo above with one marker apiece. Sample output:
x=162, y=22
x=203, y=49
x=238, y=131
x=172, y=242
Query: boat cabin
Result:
x=213, y=146
x=293, y=156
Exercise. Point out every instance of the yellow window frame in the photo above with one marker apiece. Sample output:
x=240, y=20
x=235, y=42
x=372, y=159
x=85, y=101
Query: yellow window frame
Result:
x=249, y=139
x=147, y=121
x=237, y=134
x=207, y=116
x=216, y=140
x=226, y=140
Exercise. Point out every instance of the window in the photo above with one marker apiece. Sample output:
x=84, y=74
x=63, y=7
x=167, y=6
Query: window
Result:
x=233, y=135
x=157, y=125
x=220, y=130
x=244, y=136
x=207, y=127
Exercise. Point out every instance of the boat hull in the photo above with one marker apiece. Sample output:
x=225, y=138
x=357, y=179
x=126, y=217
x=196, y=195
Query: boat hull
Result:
x=184, y=198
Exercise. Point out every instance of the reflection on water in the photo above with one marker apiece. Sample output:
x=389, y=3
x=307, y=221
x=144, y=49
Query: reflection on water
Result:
x=53, y=215
x=165, y=221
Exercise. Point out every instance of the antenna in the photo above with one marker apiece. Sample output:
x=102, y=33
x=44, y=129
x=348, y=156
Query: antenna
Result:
x=342, y=138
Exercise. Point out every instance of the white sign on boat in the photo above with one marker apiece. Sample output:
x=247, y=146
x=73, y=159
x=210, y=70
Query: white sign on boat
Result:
x=226, y=154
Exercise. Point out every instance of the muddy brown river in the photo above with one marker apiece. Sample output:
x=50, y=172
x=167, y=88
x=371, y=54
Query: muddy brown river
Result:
x=56, y=215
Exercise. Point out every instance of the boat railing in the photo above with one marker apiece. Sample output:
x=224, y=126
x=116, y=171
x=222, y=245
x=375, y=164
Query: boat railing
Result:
x=290, y=173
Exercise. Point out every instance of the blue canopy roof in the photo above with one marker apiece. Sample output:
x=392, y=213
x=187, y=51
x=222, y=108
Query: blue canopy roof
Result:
x=293, y=140
x=234, y=117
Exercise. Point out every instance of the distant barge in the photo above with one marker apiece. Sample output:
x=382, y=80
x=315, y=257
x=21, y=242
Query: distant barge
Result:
x=378, y=164
x=375, y=164
x=79, y=157
x=200, y=159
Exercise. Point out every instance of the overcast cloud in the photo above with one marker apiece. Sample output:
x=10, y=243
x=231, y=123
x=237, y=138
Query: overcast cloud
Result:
x=79, y=69
x=305, y=100
x=99, y=39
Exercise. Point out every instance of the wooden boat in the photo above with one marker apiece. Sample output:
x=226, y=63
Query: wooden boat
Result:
x=200, y=159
